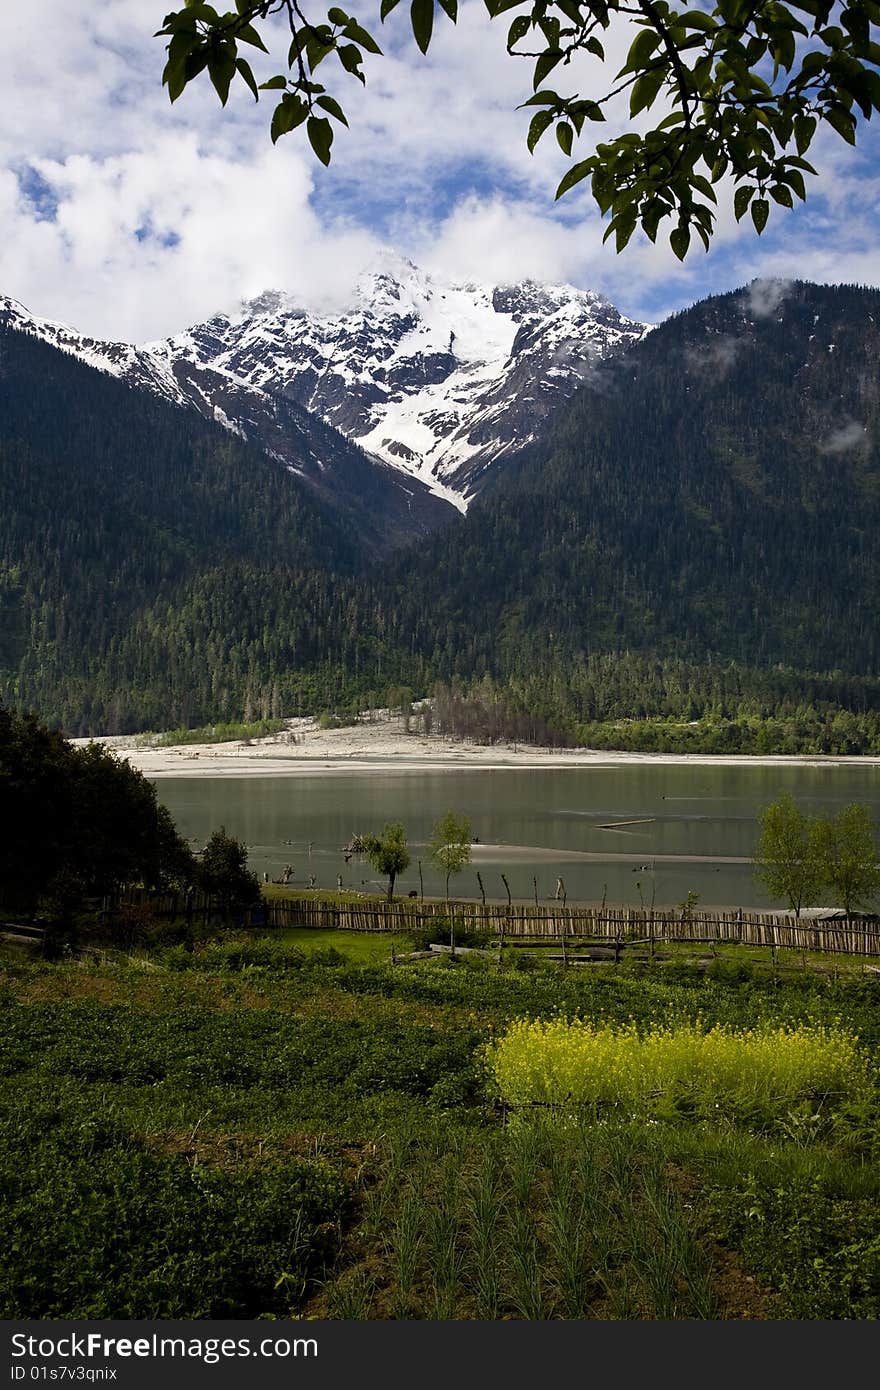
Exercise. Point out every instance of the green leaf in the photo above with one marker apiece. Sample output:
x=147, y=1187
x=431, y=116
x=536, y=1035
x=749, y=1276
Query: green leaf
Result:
x=175, y=78
x=856, y=23
x=275, y=84
x=795, y=179
x=196, y=62
x=422, y=18
x=651, y=219
x=538, y=124
x=518, y=29
x=645, y=90
x=282, y=121
x=316, y=52
x=244, y=68
x=330, y=104
x=623, y=225
x=640, y=50
x=337, y=16
x=680, y=240
x=843, y=122
x=576, y=173
x=320, y=133
x=783, y=47
x=545, y=65
x=203, y=12
x=181, y=44
x=780, y=194
x=872, y=82
x=760, y=213
x=702, y=185
x=449, y=8
x=289, y=113
x=698, y=19
x=804, y=130
x=572, y=10
x=741, y=199
x=541, y=99
x=350, y=57
x=360, y=36
x=250, y=35
x=564, y=137
x=221, y=72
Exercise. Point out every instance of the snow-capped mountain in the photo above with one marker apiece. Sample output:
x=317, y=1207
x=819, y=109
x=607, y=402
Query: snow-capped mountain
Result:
x=437, y=380
x=385, y=506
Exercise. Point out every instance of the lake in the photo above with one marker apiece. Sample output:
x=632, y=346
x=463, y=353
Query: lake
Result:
x=690, y=827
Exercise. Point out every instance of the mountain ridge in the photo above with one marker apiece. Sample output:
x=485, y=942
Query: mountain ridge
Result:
x=433, y=379
x=709, y=500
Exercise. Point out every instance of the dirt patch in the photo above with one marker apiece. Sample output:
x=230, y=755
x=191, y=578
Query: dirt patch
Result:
x=740, y=1296
x=356, y=1162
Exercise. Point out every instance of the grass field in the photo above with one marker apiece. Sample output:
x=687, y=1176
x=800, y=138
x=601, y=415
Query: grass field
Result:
x=295, y=1126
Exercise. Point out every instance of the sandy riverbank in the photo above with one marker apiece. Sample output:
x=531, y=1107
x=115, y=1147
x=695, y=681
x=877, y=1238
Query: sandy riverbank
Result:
x=383, y=745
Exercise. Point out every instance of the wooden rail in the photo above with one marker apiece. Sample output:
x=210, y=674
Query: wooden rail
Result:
x=549, y=923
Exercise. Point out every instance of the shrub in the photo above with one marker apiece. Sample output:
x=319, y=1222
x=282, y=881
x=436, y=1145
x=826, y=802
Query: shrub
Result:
x=437, y=931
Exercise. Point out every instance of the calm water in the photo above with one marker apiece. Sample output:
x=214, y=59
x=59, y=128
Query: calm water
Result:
x=544, y=823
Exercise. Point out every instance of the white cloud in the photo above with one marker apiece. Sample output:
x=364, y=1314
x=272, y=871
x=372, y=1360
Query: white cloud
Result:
x=851, y=435
x=167, y=213
x=498, y=240
x=147, y=242
x=764, y=296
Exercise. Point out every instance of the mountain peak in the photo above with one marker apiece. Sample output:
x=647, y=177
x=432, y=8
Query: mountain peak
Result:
x=433, y=377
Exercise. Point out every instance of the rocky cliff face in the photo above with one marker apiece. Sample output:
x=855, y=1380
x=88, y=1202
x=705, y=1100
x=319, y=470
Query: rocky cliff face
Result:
x=437, y=379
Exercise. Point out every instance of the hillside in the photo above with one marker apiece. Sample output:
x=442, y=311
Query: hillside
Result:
x=713, y=495
x=111, y=502
x=695, y=536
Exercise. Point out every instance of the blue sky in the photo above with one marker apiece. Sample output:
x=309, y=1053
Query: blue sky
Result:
x=131, y=218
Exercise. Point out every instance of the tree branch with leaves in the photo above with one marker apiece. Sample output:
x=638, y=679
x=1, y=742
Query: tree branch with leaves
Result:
x=743, y=86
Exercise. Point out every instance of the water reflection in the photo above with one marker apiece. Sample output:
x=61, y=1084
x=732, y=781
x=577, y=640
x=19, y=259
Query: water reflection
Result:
x=690, y=828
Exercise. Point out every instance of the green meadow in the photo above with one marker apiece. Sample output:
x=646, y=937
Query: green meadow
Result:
x=293, y=1125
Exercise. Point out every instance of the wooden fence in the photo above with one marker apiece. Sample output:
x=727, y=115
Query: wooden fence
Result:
x=552, y=923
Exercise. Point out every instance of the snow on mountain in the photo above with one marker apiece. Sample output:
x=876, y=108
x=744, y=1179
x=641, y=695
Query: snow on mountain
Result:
x=437, y=380
x=135, y=365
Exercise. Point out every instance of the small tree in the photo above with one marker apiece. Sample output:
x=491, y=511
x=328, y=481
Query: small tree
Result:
x=450, y=851
x=847, y=855
x=788, y=860
x=387, y=852
x=223, y=873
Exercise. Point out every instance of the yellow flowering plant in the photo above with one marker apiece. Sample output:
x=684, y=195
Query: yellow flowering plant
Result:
x=760, y=1074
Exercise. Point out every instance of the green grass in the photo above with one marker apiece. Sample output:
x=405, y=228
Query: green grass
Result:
x=300, y=1128
x=215, y=733
x=371, y=947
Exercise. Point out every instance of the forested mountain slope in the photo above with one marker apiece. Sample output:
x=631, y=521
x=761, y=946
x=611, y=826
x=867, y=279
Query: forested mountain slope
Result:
x=714, y=494
x=697, y=533
x=111, y=501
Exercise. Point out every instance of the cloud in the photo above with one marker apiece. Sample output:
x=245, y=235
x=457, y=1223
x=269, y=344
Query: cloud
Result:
x=848, y=436
x=764, y=296
x=144, y=243
x=716, y=357
x=131, y=217
x=498, y=240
